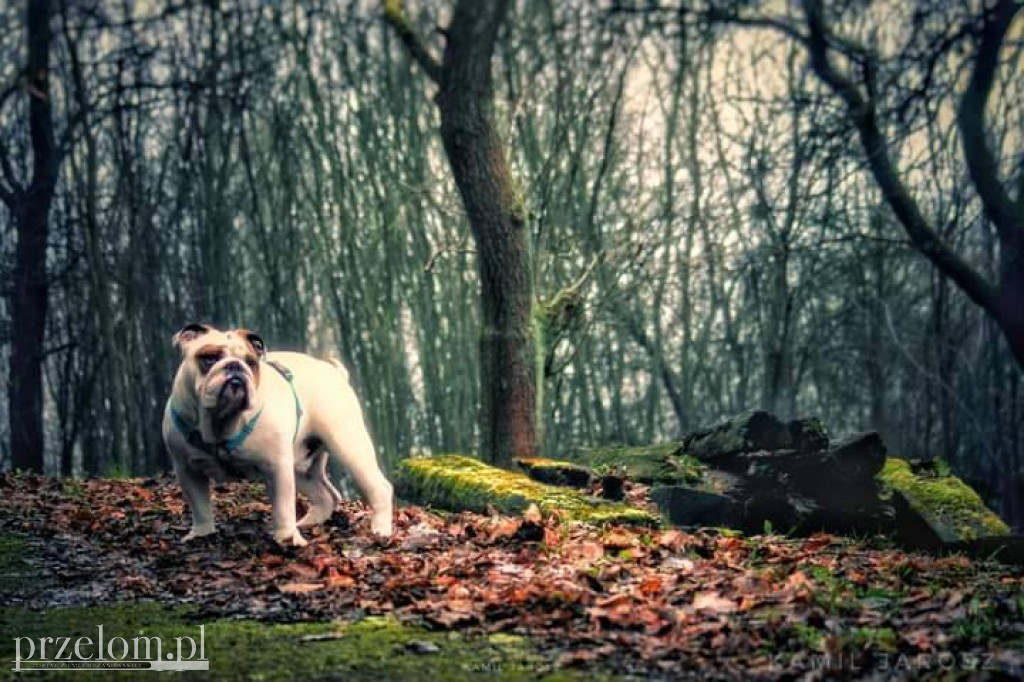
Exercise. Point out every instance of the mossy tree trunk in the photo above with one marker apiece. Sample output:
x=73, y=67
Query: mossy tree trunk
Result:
x=495, y=212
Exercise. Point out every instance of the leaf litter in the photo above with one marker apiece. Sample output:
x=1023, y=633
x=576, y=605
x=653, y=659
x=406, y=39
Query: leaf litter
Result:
x=662, y=602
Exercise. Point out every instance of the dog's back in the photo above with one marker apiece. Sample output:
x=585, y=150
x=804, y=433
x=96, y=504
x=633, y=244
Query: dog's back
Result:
x=288, y=359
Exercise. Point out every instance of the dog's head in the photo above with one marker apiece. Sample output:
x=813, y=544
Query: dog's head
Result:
x=221, y=369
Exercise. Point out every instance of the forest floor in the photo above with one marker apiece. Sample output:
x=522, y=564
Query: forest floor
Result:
x=490, y=597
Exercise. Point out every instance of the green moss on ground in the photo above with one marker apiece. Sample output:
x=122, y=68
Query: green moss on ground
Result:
x=457, y=482
x=658, y=463
x=946, y=502
x=374, y=648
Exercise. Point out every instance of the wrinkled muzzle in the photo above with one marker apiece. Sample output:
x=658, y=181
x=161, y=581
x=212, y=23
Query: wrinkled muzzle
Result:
x=228, y=388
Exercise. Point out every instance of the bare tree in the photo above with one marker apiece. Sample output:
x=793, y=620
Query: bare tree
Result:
x=858, y=87
x=30, y=206
x=496, y=214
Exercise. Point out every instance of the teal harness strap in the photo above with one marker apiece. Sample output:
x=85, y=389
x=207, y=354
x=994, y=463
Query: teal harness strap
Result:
x=180, y=423
x=290, y=378
x=195, y=439
x=235, y=442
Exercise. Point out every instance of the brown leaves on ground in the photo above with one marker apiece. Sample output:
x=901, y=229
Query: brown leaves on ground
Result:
x=662, y=602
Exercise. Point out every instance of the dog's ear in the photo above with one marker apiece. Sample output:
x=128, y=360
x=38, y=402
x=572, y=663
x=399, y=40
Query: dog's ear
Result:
x=188, y=334
x=255, y=341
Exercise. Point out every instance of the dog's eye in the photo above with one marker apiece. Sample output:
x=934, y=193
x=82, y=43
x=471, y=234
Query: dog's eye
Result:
x=208, y=360
x=252, y=363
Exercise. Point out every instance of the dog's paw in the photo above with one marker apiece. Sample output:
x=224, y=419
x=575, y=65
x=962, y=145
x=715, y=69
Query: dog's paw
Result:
x=381, y=525
x=314, y=517
x=200, y=531
x=290, y=538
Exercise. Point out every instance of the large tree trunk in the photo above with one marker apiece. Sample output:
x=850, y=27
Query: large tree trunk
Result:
x=29, y=296
x=495, y=212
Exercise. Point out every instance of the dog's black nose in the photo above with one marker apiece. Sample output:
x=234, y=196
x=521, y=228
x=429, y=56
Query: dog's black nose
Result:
x=235, y=382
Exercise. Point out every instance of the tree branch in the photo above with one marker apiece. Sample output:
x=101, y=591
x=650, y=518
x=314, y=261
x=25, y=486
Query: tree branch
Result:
x=394, y=14
x=9, y=193
x=981, y=162
x=715, y=14
x=10, y=189
x=863, y=115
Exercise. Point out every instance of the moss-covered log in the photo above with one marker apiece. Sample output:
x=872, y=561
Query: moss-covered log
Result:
x=938, y=511
x=808, y=434
x=458, y=483
x=686, y=506
x=854, y=460
x=555, y=472
x=747, y=432
x=646, y=464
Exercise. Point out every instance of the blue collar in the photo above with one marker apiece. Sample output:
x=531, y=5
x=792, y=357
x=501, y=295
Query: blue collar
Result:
x=195, y=439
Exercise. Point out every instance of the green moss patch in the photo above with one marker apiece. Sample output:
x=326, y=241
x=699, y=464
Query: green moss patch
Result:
x=660, y=463
x=458, y=483
x=374, y=648
x=951, y=507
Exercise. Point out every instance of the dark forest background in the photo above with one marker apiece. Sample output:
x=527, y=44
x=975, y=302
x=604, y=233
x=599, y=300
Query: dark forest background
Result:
x=811, y=208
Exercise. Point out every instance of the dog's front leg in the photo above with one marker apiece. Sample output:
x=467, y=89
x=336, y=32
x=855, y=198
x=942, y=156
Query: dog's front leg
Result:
x=196, y=488
x=281, y=482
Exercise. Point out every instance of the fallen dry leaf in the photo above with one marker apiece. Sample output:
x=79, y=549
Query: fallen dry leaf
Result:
x=300, y=588
x=712, y=601
x=619, y=538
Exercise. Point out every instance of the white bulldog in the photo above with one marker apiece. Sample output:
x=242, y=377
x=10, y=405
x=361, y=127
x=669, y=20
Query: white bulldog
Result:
x=236, y=410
